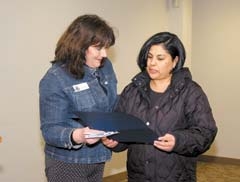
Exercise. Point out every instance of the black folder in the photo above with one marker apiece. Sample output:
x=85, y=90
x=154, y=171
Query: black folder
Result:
x=129, y=128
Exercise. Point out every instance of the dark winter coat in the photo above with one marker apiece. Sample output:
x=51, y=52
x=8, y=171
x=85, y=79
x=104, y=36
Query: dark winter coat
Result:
x=183, y=110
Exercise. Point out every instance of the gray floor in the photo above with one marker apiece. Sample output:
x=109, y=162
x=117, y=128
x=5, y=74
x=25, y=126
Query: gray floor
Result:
x=214, y=172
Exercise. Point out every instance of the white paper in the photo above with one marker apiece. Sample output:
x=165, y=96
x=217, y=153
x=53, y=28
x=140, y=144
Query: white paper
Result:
x=100, y=135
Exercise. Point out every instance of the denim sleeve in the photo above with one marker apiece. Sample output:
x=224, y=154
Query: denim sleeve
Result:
x=54, y=106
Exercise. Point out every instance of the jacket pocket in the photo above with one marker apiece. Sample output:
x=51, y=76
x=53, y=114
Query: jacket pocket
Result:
x=82, y=100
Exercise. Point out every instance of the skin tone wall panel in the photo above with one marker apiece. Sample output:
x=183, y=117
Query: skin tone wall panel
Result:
x=28, y=37
x=215, y=49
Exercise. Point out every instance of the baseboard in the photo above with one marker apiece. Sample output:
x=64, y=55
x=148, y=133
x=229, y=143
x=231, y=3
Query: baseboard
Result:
x=220, y=160
x=116, y=177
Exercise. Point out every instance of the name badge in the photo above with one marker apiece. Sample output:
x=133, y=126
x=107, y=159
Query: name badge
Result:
x=80, y=87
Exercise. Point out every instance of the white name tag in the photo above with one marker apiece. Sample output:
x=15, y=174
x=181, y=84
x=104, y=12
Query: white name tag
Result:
x=80, y=87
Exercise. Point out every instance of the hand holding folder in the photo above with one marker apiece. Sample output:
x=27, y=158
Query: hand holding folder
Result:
x=124, y=127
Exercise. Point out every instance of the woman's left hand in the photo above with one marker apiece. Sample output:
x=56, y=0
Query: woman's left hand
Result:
x=166, y=142
x=109, y=142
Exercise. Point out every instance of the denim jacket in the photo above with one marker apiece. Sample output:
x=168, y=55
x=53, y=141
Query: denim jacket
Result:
x=60, y=96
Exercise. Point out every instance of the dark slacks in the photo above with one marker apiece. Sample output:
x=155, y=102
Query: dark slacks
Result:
x=58, y=171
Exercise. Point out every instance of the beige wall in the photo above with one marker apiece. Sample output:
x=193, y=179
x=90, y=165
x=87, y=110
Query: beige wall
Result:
x=215, y=65
x=29, y=31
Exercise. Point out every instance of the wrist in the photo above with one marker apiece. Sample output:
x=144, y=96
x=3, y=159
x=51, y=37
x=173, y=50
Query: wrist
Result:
x=72, y=140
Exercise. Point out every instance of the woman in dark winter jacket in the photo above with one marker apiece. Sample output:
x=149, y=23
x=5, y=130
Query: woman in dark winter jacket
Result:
x=175, y=107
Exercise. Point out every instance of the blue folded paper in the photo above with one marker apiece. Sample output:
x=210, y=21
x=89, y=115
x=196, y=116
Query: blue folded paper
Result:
x=129, y=128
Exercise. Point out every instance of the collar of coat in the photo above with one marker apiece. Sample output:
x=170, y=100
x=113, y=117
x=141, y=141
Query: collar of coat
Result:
x=178, y=82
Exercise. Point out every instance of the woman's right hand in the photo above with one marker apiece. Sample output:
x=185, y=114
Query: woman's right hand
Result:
x=78, y=136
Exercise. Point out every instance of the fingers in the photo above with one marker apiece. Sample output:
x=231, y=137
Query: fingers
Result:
x=109, y=142
x=87, y=130
x=90, y=136
x=91, y=141
x=166, y=143
x=80, y=133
